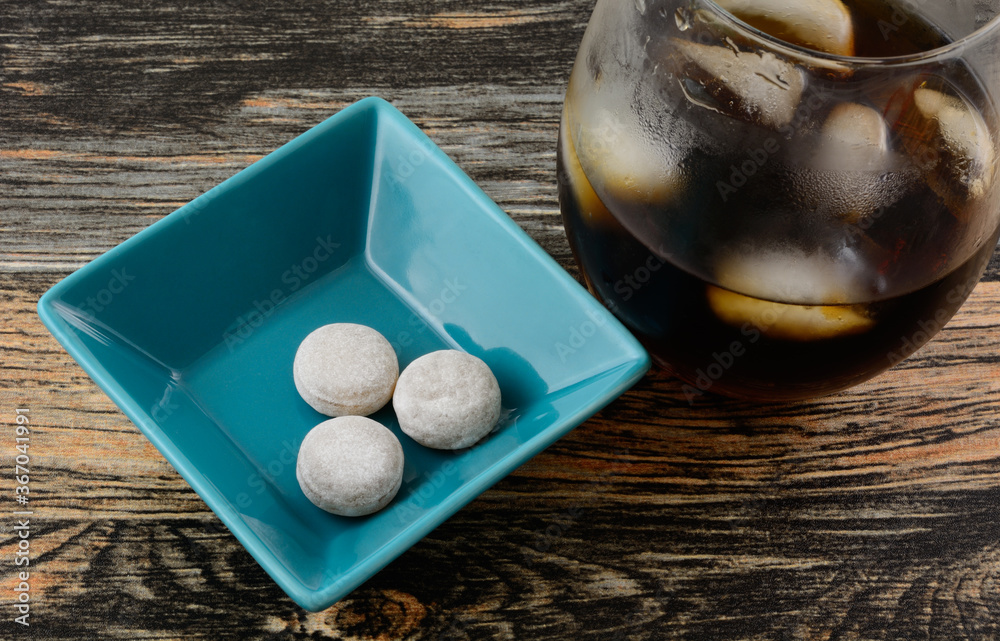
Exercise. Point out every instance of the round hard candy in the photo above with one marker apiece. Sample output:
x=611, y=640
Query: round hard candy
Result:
x=351, y=466
x=345, y=370
x=447, y=400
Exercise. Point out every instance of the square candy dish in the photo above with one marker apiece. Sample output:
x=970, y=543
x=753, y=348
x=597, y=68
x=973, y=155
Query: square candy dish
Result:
x=191, y=327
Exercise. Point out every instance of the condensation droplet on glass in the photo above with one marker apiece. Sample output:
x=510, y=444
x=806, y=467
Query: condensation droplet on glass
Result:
x=683, y=19
x=696, y=95
x=776, y=80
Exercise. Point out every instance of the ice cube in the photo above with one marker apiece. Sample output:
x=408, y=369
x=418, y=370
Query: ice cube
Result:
x=788, y=322
x=818, y=294
x=823, y=25
x=592, y=210
x=756, y=87
x=623, y=161
x=949, y=140
x=792, y=275
x=854, y=137
x=853, y=173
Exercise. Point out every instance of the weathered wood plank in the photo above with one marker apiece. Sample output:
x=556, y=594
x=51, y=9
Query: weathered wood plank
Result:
x=636, y=511
x=866, y=515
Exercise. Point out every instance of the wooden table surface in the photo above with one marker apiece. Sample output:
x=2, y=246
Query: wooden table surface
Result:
x=871, y=514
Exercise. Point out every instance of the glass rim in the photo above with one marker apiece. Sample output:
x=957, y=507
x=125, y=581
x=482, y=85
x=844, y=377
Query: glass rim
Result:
x=952, y=49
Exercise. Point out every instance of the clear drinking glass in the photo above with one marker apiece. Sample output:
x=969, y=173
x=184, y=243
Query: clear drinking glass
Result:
x=783, y=198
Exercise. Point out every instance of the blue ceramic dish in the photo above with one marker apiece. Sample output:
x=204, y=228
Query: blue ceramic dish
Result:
x=191, y=327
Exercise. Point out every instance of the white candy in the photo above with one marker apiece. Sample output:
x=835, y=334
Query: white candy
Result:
x=447, y=400
x=350, y=466
x=345, y=370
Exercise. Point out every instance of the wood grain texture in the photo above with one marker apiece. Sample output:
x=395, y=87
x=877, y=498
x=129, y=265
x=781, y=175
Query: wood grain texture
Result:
x=870, y=514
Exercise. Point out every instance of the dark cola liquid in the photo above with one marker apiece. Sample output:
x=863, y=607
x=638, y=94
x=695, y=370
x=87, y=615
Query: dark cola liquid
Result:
x=779, y=349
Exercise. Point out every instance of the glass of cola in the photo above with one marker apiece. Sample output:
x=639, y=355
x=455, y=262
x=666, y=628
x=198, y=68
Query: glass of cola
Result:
x=783, y=198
